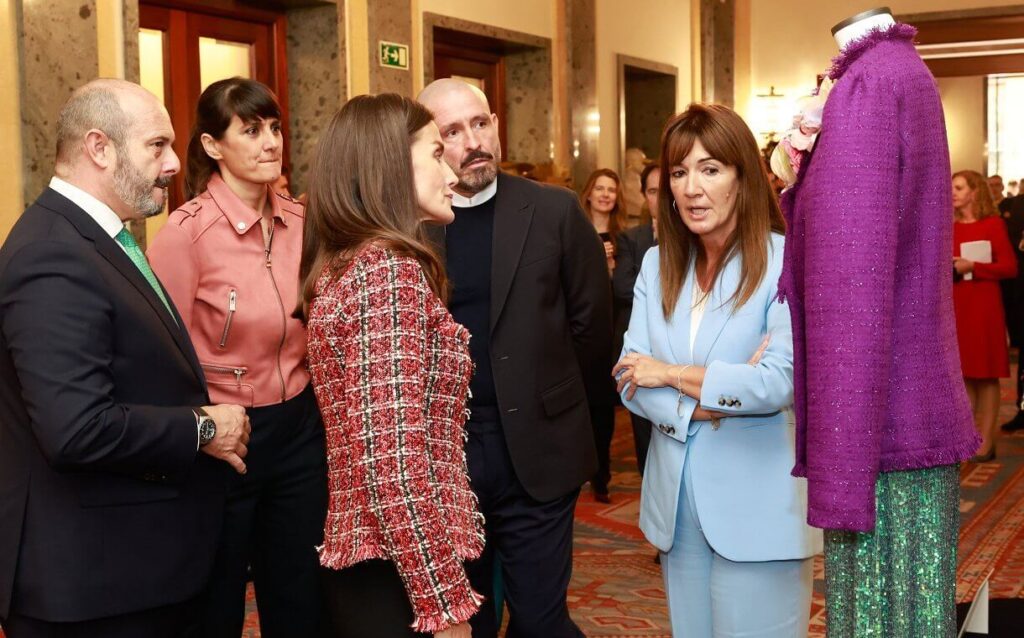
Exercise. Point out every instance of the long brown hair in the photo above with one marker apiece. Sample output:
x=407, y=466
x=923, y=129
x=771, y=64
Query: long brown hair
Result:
x=362, y=190
x=983, y=204
x=248, y=99
x=726, y=137
x=615, y=217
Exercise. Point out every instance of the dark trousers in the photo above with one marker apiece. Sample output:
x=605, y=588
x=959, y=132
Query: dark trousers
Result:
x=1013, y=310
x=1020, y=382
x=602, y=418
x=368, y=600
x=532, y=540
x=180, y=620
x=641, y=440
x=273, y=520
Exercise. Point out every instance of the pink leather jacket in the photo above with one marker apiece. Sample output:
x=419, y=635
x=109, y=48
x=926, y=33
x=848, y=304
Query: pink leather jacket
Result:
x=235, y=297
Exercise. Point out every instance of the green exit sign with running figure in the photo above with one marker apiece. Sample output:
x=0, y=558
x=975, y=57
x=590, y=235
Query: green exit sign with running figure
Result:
x=394, y=55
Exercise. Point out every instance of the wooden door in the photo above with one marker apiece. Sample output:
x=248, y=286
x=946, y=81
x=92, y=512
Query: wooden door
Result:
x=183, y=49
x=483, y=69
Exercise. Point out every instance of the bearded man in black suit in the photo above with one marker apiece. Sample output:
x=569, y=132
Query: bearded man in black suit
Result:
x=530, y=282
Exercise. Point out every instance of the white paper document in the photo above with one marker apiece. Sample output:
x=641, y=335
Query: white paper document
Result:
x=976, y=251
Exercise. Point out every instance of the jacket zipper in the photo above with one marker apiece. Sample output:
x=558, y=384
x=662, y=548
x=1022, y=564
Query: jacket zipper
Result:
x=284, y=317
x=232, y=297
x=238, y=372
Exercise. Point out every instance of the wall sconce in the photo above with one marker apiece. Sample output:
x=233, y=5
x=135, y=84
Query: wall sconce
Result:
x=594, y=123
x=770, y=113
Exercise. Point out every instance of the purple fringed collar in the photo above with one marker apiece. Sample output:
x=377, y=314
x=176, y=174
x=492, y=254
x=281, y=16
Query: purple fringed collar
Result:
x=855, y=49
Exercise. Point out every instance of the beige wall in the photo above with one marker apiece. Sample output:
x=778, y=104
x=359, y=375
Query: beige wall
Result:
x=790, y=40
x=10, y=120
x=963, y=100
x=656, y=30
x=536, y=17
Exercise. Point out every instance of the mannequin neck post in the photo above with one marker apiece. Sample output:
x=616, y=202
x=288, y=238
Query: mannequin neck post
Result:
x=858, y=26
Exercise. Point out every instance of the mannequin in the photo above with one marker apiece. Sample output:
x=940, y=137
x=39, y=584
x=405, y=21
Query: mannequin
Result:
x=882, y=415
x=858, y=26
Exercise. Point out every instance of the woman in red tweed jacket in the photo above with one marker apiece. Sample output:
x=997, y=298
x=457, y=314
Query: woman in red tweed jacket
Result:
x=391, y=372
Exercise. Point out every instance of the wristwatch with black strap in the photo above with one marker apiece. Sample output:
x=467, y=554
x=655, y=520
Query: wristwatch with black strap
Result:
x=207, y=426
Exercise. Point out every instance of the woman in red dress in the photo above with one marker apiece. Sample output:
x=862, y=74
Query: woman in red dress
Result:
x=981, y=330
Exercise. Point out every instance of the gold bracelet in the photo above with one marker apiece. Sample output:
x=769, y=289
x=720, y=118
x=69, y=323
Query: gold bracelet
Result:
x=679, y=377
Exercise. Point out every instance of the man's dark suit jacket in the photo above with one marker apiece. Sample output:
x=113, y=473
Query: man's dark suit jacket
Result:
x=630, y=249
x=105, y=506
x=1012, y=210
x=550, y=331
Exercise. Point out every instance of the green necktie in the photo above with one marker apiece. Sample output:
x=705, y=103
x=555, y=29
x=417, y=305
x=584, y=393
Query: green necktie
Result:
x=135, y=253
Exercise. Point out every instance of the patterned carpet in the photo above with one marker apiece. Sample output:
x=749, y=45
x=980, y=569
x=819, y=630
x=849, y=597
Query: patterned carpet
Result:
x=617, y=589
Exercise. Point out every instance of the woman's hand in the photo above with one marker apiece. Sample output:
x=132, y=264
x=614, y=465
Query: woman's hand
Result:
x=609, y=255
x=962, y=266
x=756, y=357
x=641, y=371
x=461, y=630
x=700, y=414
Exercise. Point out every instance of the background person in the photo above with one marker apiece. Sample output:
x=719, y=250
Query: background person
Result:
x=981, y=331
x=230, y=260
x=602, y=201
x=632, y=245
x=391, y=369
x=720, y=460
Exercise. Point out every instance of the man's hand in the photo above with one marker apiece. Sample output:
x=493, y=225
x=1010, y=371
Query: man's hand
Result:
x=233, y=429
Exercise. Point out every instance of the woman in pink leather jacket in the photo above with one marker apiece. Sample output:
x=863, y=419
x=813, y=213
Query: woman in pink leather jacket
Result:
x=229, y=258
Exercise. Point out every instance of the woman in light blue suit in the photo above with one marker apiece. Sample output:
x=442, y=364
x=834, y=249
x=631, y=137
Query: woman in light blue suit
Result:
x=708, y=358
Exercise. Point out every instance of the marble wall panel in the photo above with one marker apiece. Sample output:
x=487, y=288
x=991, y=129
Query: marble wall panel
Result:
x=130, y=16
x=581, y=24
x=316, y=82
x=431, y=20
x=528, y=107
x=51, y=68
x=717, y=51
x=390, y=21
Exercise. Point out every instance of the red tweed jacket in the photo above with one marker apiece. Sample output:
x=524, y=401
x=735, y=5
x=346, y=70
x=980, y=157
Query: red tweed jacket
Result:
x=391, y=372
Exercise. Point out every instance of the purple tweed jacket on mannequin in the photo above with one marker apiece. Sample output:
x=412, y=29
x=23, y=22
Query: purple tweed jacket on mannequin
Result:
x=867, y=276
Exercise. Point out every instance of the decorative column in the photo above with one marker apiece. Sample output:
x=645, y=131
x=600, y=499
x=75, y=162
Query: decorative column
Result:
x=580, y=19
x=717, y=35
x=317, y=83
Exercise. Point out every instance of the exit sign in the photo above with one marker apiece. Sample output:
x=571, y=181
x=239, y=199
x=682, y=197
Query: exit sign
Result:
x=394, y=55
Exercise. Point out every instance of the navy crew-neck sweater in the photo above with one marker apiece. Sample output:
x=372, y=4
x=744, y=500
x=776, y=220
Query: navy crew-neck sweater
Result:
x=469, y=240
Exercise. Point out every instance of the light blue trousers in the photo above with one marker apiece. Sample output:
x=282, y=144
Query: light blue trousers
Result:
x=712, y=597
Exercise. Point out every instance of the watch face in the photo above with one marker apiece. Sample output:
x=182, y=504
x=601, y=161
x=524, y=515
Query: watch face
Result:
x=207, y=430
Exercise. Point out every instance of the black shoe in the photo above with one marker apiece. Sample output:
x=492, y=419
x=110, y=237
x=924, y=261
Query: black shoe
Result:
x=985, y=458
x=602, y=496
x=1014, y=424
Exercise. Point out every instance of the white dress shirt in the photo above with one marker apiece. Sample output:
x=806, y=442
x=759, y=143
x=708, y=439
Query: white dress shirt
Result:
x=479, y=198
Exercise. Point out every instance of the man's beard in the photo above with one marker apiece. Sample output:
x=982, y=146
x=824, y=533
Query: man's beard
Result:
x=135, y=189
x=477, y=179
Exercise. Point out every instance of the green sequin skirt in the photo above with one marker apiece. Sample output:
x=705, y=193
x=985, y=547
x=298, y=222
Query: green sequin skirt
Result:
x=898, y=581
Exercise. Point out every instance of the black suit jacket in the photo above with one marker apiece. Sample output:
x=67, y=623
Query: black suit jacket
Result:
x=105, y=505
x=630, y=249
x=550, y=332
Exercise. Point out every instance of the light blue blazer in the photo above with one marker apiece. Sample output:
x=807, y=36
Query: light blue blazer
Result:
x=748, y=504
